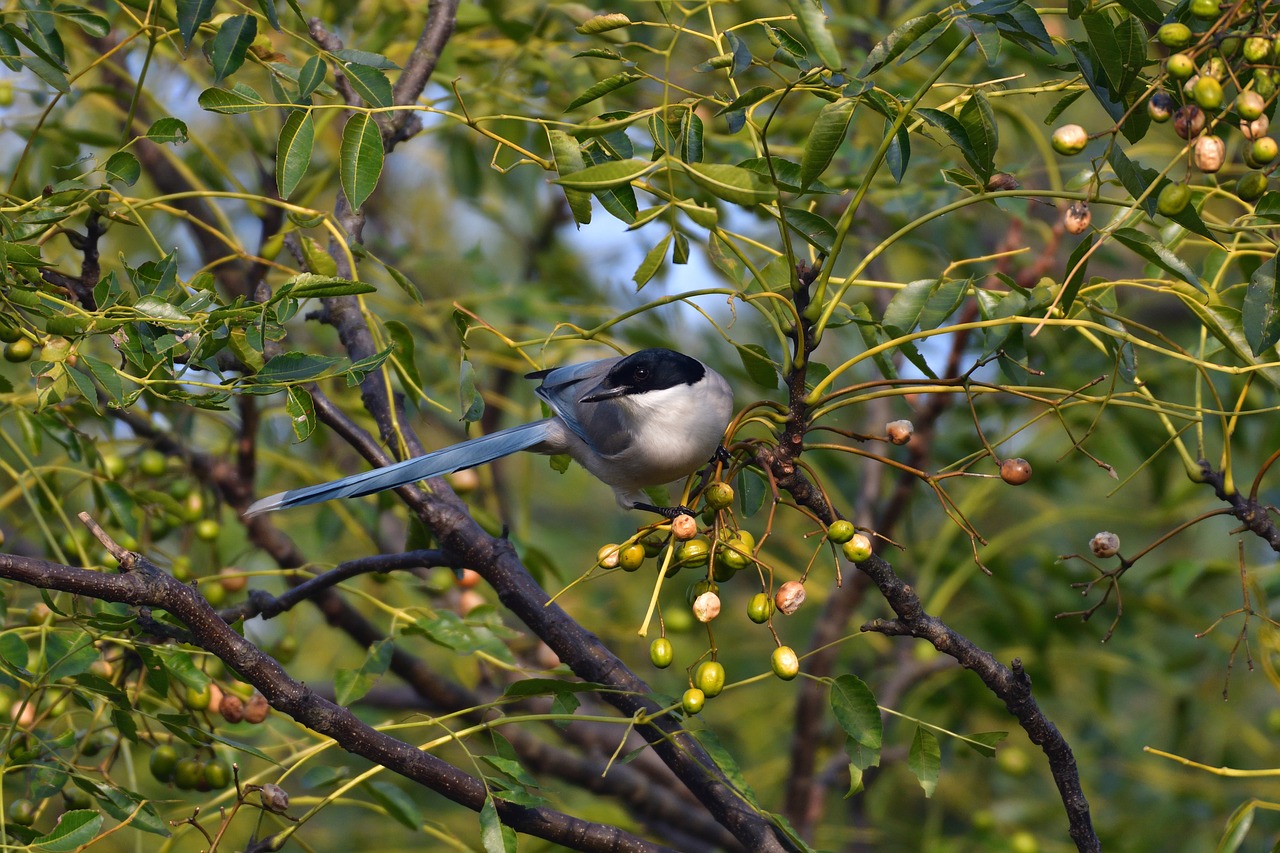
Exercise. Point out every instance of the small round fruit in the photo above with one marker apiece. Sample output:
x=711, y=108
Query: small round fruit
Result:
x=1251, y=186
x=1077, y=218
x=1216, y=68
x=706, y=607
x=1208, y=93
x=1188, y=121
x=287, y=649
x=6, y=93
x=1023, y=841
x=709, y=678
x=19, y=351
x=232, y=579
x=789, y=597
x=76, y=798
x=1173, y=199
x=1180, y=66
x=1263, y=84
x=857, y=549
x=632, y=557
x=1207, y=9
x=1249, y=105
x=661, y=653
x=113, y=465
x=694, y=552
x=1255, y=129
x=900, y=431
x=1016, y=471
x=1160, y=107
x=188, y=774
x=199, y=700
x=274, y=798
x=1209, y=153
x=730, y=561
x=1176, y=36
x=1263, y=150
x=1256, y=50
x=1069, y=139
x=232, y=708
x=841, y=531
x=9, y=334
x=693, y=701
x=608, y=556
x=22, y=812
x=152, y=463
x=163, y=762
x=208, y=529
x=784, y=663
x=760, y=608
x=652, y=545
x=256, y=709
x=1104, y=544
x=684, y=527
x=719, y=495
x=216, y=774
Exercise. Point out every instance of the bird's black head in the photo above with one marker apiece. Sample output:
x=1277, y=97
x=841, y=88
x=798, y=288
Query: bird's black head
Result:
x=647, y=370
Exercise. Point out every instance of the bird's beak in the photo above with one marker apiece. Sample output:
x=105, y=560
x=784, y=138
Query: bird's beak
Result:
x=601, y=393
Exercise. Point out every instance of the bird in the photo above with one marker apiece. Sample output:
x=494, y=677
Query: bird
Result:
x=634, y=421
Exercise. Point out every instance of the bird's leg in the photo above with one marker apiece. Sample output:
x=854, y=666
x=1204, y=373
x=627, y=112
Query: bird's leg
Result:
x=721, y=455
x=664, y=511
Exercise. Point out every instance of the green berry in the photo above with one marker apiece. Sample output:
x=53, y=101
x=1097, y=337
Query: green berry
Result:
x=18, y=351
x=1069, y=139
x=632, y=557
x=1249, y=105
x=152, y=463
x=760, y=608
x=1180, y=66
x=709, y=678
x=841, y=531
x=1176, y=36
x=857, y=549
x=1208, y=93
x=1251, y=186
x=661, y=653
x=1206, y=9
x=22, y=812
x=208, y=529
x=694, y=552
x=164, y=760
x=1263, y=150
x=784, y=663
x=693, y=701
x=719, y=495
x=1257, y=49
x=1173, y=199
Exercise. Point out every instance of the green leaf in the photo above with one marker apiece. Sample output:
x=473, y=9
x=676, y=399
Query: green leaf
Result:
x=603, y=24
x=605, y=175
x=980, y=126
x=469, y=397
x=160, y=311
x=361, y=158
x=365, y=57
x=899, y=152
x=760, y=368
x=731, y=183
x=898, y=41
x=813, y=23
x=191, y=14
x=1238, y=826
x=567, y=155
x=302, y=412
x=951, y=126
x=350, y=685
x=123, y=167
x=1158, y=253
x=238, y=99
x=903, y=310
x=370, y=84
x=549, y=687
x=856, y=712
x=311, y=75
x=95, y=25
x=813, y=228
x=925, y=759
x=746, y=99
x=826, y=136
x=652, y=262
x=1075, y=277
x=399, y=805
x=169, y=130
x=1261, y=310
x=293, y=151
x=73, y=830
x=984, y=743
x=48, y=72
x=230, y=45
x=604, y=87
x=293, y=367
x=311, y=286
x=495, y=837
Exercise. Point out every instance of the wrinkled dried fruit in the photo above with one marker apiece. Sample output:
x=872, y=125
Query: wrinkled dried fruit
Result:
x=1209, y=153
x=900, y=432
x=1077, y=218
x=274, y=798
x=1255, y=129
x=256, y=709
x=1188, y=121
x=1160, y=107
x=684, y=527
x=1104, y=544
x=789, y=597
x=706, y=607
x=232, y=708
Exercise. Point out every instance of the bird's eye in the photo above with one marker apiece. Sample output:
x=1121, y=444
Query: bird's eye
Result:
x=641, y=374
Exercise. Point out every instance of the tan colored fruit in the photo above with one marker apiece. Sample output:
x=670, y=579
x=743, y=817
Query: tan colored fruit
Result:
x=1077, y=218
x=789, y=597
x=1015, y=472
x=1209, y=153
x=684, y=527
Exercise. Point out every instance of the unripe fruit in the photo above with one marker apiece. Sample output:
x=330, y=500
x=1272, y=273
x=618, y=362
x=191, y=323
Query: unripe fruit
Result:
x=152, y=463
x=608, y=556
x=694, y=552
x=1209, y=153
x=274, y=798
x=22, y=812
x=1015, y=472
x=632, y=557
x=1249, y=105
x=1180, y=66
x=1208, y=93
x=1263, y=150
x=900, y=431
x=706, y=607
x=857, y=549
x=661, y=653
x=232, y=579
x=188, y=773
x=841, y=531
x=208, y=529
x=6, y=93
x=709, y=678
x=1077, y=218
x=789, y=597
x=1255, y=129
x=760, y=608
x=1173, y=199
x=163, y=762
x=1207, y=9
x=1251, y=186
x=216, y=775
x=198, y=700
x=684, y=527
x=1215, y=68
x=731, y=559
x=1160, y=107
x=1263, y=84
x=19, y=351
x=784, y=663
x=719, y=495
x=1176, y=36
x=9, y=334
x=1104, y=544
x=1188, y=121
x=1069, y=139
x=693, y=701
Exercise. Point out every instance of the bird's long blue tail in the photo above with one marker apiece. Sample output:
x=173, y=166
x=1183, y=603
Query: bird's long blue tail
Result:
x=467, y=454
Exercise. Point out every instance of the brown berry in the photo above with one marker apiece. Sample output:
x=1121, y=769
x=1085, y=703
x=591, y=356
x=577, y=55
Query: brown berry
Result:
x=232, y=708
x=1188, y=121
x=789, y=597
x=899, y=432
x=1077, y=218
x=1015, y=472
x=274, y=798
x=256, y=709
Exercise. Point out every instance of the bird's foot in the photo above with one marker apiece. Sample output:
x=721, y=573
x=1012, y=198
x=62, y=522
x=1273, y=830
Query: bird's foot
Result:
x=665, y=511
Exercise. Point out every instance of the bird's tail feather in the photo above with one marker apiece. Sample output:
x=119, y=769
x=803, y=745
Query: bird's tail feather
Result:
x=467, y=454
